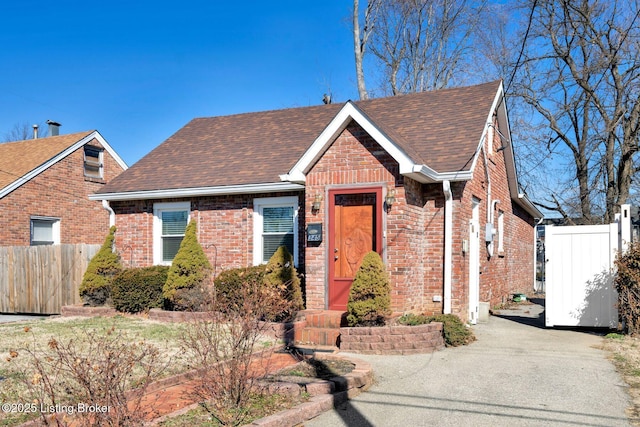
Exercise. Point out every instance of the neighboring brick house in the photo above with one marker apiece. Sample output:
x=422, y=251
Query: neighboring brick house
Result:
x=415, y=177
x=45, y=185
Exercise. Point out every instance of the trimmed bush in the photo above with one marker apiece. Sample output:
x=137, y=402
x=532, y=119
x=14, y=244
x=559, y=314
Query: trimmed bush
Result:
x=455, y=331
x=370, y=295
x=282, y=278
x=139, y=289
x=190, y=270
x=230, y=289
x=95, y=289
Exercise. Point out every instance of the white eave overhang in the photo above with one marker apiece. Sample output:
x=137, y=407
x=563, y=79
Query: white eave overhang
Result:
x=408, y=167
x=199, y=191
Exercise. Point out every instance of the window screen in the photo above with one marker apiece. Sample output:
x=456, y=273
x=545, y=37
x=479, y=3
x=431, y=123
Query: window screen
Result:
x=174, y=224
x=42, y=232
x=278, y=223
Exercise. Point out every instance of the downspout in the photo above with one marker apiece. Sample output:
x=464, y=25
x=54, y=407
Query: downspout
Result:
x=112, y=214
x=448, y=235
x=490, y=204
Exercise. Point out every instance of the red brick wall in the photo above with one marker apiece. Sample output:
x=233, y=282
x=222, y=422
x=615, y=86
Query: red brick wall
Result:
x=409, y=251
x=225, y=229
x=414, y=228
x=504, y=273
x=414, y=242
x=59, y=192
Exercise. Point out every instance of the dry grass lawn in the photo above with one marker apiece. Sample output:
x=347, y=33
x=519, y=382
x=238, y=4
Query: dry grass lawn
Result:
x=16, y=364
x=624, y=352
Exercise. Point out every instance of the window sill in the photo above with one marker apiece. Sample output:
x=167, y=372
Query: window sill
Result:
x=96, y=180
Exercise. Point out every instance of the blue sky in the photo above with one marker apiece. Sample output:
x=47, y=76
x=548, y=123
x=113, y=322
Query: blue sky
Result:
x=139, y=70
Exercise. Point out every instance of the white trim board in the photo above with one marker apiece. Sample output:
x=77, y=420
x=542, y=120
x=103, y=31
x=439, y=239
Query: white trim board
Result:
x=18, y=182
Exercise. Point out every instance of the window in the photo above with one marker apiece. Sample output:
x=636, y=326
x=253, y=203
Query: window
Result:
x=92, y=162
x=169, y=224
x=500, y=232
x=45, y=231
x=275, y=224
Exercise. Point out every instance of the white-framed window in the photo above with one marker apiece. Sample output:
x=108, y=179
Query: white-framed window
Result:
x=275, y=223
x=500, y=232
x=45, y=231
x=169, y=224
x=93, y=162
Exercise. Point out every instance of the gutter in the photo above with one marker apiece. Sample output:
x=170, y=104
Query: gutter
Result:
x=198, y=191
x=448, y=236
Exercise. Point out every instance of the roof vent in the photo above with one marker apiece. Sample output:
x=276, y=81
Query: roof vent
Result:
x=35, y=131
x=54, y=128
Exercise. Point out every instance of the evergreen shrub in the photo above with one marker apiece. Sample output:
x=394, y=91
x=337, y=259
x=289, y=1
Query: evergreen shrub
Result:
x=139, y=289
x=282, y=279
x=95, y=289
x=230, y=290
x=189, y=274
x=370, y=295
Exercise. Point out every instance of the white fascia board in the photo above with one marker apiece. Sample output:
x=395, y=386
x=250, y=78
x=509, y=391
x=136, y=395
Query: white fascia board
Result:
x=426, y=175
x=200, y=191
x=338, y=124
x=528, y=206
x=295, y=177
x=43, y=167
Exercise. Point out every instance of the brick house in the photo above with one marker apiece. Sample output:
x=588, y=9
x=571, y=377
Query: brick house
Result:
x=428, y=180
x=45, y=184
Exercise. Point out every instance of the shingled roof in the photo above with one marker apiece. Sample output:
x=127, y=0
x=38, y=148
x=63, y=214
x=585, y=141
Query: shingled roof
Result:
x=18, y=158
x=440, y=129
x=21, y=161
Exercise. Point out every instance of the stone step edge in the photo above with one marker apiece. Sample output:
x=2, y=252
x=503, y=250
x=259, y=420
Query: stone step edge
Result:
x=359, y=380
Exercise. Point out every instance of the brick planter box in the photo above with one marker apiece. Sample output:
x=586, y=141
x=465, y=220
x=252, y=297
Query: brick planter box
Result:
x=85, y=311
x=392, y=339
x=325, y=394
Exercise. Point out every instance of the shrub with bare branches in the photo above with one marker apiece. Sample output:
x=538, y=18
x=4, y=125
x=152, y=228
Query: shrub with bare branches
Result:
x=224, y=349
x=628, y=286
x=98, y=378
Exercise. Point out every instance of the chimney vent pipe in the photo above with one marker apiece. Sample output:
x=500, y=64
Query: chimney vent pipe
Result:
x=35, y=131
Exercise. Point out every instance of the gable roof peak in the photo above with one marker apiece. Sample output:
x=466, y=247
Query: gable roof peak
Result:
x=20, y=161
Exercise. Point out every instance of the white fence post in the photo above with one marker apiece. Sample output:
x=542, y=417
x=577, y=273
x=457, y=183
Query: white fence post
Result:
x=625, y=227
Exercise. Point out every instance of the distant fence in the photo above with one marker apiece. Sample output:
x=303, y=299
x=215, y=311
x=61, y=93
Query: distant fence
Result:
x=41, y=279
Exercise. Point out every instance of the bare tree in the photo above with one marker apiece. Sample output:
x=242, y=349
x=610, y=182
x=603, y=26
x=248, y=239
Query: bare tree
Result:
x=22, y=131
x=580, y=74
x=361, y=38
x=418, y=45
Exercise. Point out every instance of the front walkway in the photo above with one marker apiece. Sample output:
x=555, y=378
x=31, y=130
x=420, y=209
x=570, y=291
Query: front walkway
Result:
x=516, y=374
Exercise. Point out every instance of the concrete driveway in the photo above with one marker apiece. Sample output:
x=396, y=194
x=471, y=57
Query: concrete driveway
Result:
x=516, y=374
x=6, y=318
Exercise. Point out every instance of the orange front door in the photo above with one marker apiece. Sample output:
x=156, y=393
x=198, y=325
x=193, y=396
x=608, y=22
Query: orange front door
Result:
x=354, y=231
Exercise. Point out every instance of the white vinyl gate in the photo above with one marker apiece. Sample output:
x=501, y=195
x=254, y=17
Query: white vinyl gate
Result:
x=580, y=290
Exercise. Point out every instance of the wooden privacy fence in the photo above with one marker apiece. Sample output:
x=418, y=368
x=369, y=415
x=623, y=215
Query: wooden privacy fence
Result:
x=41, y=279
